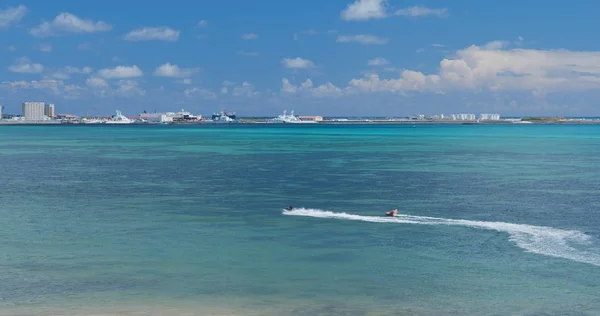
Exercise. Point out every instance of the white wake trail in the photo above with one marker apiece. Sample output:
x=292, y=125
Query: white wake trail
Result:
x=536, y=239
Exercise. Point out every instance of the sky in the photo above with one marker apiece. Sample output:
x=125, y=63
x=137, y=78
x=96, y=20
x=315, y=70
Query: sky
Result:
x=330, y=58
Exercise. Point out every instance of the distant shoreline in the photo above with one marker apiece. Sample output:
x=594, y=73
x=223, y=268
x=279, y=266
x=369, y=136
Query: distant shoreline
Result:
x=252, y=121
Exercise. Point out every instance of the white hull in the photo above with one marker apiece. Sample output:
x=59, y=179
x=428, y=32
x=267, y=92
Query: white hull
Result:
x=290, y=119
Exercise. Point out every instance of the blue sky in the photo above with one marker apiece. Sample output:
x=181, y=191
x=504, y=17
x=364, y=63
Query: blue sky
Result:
x=336, y=57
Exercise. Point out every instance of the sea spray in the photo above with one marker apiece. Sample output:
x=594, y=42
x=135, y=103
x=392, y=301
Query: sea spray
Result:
x=536, y=239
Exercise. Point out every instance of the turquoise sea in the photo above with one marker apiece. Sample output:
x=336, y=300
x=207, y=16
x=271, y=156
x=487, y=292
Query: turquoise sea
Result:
x=189, y=220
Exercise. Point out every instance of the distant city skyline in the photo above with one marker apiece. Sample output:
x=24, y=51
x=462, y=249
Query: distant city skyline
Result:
x=329, y=58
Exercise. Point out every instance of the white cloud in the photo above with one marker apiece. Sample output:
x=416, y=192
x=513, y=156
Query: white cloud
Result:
x=493, y=68
x=378, y=61
x=494, y=45
x=202, y=23
x=168, y=70
x=362, y=39
x=129, y=88
x=45, y=48
x=46, y=84
x=69, y=23
x=65, y=73
x=249, y=36
x=308, y=89
x=415, y=11
x=24, y=65
x=121, y=88
x=199, y=92
x=11, y=48
x=437, y=45
x=160, y=33
x=247, y=89
x=243, y=53
x=12, y=15
x=56, y=87
x=297, y=63
x=361, y=10
x=96, y=82
x=120, y=72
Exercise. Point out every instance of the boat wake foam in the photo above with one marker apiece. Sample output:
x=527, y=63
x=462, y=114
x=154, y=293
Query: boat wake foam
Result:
x=536, y=239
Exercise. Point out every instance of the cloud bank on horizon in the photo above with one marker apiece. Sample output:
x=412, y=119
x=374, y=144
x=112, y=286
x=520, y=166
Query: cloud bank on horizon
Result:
x=341, y=57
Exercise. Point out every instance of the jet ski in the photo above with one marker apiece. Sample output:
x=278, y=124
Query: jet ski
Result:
x=392, y=213
x=289, y=208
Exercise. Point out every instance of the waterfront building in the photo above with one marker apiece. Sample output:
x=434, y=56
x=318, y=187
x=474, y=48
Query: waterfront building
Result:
x=33, y=111
x=462, y=117
x=1, y=111
x=489, y=117
x=49, y=110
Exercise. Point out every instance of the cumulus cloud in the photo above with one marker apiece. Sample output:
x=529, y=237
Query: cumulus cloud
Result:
x=168, y=70
x=12, y=15
x=65, y=73
x=202, y=24
x=24, y=65
x=308, y=89
x=377, y=61
x=120, y=72
x=495, y=68
x=199, y=93
x=160, y=33
x=362, y=39
x=249, y=36
x=362, y=10
x=297, y=63
x=129, y=88
x=68, y=23
x=246, y=89
x=120, y=88
x=95, y=82
x=55, y=87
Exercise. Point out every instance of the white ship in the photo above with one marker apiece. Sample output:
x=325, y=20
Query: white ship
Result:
x=290, y=119
x=166, y=117
x=119, y=118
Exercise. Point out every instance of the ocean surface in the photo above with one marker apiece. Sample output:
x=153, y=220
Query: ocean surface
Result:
x=189, y=220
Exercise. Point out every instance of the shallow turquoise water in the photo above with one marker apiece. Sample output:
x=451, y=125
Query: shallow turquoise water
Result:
x=192, y=215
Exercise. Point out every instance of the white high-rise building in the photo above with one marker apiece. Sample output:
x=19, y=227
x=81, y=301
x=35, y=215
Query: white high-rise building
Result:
x=33, y=111
x=1, y=107
x=49, y=110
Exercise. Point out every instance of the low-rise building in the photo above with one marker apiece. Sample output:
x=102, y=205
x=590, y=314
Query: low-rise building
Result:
x=316, y=118
x=489, y=117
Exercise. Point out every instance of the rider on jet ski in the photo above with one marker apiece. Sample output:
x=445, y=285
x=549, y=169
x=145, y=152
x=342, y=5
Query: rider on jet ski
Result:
x=393, y=212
